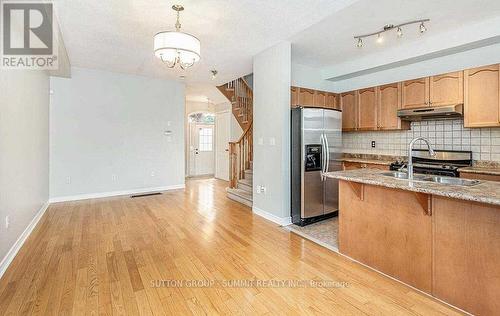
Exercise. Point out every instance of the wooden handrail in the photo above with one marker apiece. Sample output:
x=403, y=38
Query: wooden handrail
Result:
x=240, y=94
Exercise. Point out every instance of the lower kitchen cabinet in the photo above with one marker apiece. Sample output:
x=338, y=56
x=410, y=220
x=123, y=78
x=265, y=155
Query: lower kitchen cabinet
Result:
x=466, y=255
x=385, y=231
x=448, y=248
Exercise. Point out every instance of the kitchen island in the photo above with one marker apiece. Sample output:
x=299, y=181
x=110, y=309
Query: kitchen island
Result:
x=442, y=239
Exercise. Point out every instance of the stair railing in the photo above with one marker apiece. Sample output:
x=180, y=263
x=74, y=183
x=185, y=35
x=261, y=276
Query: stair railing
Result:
x=240, y=156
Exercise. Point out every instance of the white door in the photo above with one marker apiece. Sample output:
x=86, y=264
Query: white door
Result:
x=222, y=131
x=201, y=150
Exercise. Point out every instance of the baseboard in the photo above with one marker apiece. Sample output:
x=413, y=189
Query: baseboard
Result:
x=11, y=254
x=114, y=193
x=282, y=221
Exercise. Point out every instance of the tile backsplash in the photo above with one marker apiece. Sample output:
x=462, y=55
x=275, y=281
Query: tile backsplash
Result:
x=444, y=134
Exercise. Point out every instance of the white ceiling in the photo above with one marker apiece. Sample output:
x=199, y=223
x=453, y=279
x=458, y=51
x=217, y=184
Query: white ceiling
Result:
x=331, y=41
x=117, y=35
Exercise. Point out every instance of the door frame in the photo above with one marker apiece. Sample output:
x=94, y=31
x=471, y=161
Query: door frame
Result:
x=187, y=142
x=216, y=144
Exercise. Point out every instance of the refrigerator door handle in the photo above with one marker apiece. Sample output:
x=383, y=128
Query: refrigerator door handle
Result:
x=327, y=145
x=323, y=157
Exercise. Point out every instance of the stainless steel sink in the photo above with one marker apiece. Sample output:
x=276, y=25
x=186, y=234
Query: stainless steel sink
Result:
x=435, y=179
x=452, y=181
x=403, y=175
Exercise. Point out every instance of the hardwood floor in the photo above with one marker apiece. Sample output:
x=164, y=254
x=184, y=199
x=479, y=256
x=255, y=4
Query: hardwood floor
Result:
x=106, y=256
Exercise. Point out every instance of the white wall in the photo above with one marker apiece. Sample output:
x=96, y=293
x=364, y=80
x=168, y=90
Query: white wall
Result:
x=24, y=154
x=308, y=77
x=107, y=134
x=272, y=78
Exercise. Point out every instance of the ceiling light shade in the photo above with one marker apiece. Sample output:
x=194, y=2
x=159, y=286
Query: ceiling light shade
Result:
x=176, y=47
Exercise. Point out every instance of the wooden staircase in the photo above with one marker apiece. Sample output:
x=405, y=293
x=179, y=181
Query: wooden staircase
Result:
x=241, y=152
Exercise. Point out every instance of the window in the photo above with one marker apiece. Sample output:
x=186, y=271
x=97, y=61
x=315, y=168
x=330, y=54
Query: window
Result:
x=206, y=139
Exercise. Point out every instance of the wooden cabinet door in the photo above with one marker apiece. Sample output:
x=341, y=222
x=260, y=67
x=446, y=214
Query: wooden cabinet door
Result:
x=306, y=96
x=388, y=231
x=367, y=109
x=320, y=99
x=332, y=102
x=482, y=96
x=348, y=103
x=466, y=255
x=294, y=97
x=388, y=104
x=446, y=89
x=415, y=93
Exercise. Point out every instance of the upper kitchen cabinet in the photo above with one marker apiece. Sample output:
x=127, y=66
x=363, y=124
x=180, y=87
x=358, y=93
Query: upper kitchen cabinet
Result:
x=332, y=101
x=348, y=104
x=306, y=96
x=482, y=96
x=415, y=93
x=388, y=104
x=294, y=96
x=446, y=89
x=320, y=98
x=367, y=109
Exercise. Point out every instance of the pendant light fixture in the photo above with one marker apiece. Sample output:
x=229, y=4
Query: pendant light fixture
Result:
x=176, y=47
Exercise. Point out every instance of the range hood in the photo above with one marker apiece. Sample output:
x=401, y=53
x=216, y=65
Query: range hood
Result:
x=432, y=113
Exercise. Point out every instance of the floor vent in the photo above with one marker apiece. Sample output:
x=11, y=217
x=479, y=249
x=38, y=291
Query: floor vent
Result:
x=145, y=194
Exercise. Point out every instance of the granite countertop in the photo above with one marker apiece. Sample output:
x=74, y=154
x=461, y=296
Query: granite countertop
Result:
x=485, y=192
x=481, y=170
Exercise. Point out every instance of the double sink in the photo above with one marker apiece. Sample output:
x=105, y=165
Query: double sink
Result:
x=435, y=179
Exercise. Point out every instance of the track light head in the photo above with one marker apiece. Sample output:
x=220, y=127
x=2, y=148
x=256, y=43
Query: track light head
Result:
x=422, y=28
x=360, y=43
x=399, y=32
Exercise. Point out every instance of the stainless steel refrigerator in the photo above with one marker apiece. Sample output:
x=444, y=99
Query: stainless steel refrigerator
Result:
x=316, y=146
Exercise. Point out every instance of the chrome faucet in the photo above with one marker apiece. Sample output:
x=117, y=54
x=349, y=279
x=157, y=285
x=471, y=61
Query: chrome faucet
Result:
x=410, y=150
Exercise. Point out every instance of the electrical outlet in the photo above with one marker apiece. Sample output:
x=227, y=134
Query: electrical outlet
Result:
x=68, y=180
x=113, y=177
x=263, y=189
x=373, y=144
x=272, y=141
x=7, y=222
x=153, y=174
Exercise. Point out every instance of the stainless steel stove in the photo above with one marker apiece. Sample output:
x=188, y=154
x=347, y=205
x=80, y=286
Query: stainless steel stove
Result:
x=445, y=163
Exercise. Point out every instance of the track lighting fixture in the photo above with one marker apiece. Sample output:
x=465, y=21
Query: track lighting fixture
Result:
x=388, y=27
